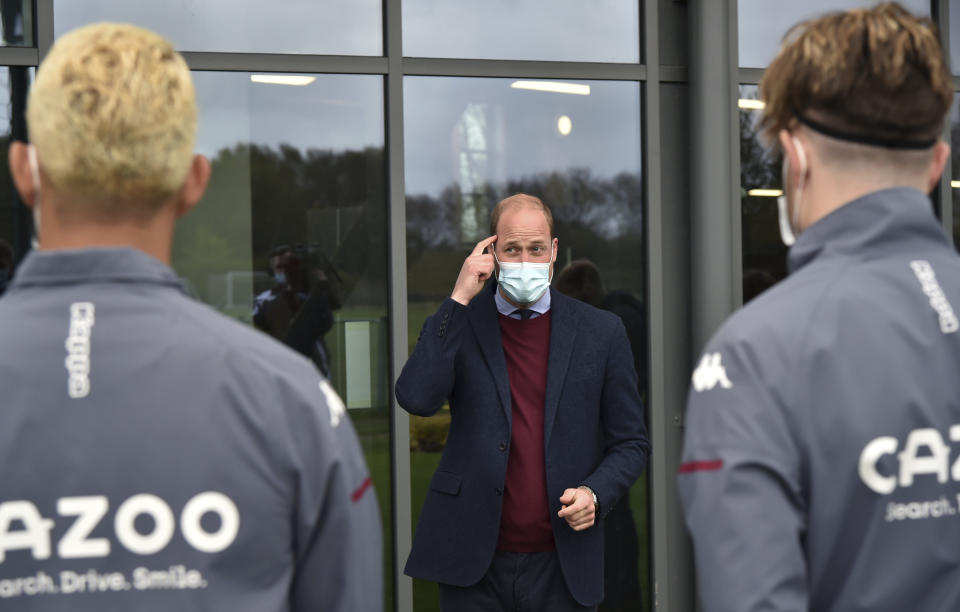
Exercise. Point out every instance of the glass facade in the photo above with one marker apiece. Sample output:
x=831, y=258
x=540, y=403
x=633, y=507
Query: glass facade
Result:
x=953, y=6
x=562, y=30
x=16, y=20
x=16, y=224
x=359, y=145
x=298, y=188
x=764, y=254
x=331, y=27
x=470, y=143
x=761, y=27
x=761, y=24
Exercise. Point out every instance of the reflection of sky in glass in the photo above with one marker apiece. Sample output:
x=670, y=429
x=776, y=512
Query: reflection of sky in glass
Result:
x=762, y=23
x=559, y=30
x=445, y=118
x=336, y=112
x=955, y=36
x=5, y=108
x=335, y=27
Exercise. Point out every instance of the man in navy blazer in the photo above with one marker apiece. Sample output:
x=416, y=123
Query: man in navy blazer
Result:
x=546, y=433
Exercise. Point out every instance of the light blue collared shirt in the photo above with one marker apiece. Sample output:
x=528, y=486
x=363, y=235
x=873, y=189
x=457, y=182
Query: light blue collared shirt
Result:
x=539, y=307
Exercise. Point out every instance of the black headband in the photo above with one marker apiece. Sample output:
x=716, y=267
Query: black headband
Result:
x=889, y=143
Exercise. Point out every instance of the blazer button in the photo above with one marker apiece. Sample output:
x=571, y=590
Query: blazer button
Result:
x=502, y=446
x=498, y=491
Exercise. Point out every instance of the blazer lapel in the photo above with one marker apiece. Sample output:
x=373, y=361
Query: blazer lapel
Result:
x=563, y=328
x=486, y=326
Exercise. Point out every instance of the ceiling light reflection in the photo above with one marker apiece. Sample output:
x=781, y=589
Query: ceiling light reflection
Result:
x=750, y=104
x=553, y=87
x=283, y=79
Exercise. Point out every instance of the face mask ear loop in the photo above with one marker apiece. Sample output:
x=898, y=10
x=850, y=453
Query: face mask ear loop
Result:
x=553, y=257
x=803, y=175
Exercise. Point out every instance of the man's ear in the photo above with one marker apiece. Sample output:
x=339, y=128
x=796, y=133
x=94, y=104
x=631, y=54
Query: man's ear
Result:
x=18, y=157
x=941, y=153
x=198, y=177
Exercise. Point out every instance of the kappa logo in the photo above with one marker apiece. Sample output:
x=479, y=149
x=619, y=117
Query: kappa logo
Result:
x=710, y=373
x=334, y=403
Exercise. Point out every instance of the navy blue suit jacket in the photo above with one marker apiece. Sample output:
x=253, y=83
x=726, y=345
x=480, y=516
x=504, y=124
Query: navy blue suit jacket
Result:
x=594, y=434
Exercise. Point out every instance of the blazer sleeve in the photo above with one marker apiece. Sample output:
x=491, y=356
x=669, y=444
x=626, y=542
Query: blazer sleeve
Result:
x=426, y=380
x=626, y=446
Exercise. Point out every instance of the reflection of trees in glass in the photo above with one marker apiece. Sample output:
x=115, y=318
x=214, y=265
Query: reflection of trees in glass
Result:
x=261, y=197
x=16, y=224
x=764, y=255
x=599, y=218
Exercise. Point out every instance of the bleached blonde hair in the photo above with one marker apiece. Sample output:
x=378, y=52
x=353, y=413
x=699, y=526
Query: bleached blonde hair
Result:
x=113, y=117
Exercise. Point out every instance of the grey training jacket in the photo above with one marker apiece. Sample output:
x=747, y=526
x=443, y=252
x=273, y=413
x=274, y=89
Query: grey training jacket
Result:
x=820, y=467
x=156, y=455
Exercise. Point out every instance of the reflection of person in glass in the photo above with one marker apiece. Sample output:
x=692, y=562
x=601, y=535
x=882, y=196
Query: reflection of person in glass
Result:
x=817, y=469
x=6, y=265
x=188, y=462
x=581, y=280
x=298, y=309
x=546, y=430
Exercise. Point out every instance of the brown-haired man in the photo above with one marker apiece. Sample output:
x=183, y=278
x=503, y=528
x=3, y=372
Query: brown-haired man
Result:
x=817, y=471
x=546, y=434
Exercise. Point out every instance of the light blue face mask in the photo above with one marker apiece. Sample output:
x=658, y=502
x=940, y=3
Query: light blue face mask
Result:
x=523, y=282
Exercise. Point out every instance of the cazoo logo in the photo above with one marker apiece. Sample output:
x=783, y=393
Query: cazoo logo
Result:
x=924, y=453
x=32, y=530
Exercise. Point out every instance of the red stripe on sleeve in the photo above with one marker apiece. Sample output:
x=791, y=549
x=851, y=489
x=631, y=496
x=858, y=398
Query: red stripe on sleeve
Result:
x=362, y=489
x=700, y=466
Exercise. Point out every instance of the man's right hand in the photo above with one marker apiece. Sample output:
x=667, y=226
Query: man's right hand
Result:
x=477, y=268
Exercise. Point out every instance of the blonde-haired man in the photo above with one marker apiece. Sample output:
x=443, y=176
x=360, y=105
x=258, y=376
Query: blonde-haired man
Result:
x=817, y=470
x=155, y=455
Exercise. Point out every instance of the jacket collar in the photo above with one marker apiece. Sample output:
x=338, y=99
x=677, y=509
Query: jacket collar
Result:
x=77, y=266
x=867, y=224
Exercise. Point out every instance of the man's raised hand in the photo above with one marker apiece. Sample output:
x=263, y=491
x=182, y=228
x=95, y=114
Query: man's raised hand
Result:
x=477, y=268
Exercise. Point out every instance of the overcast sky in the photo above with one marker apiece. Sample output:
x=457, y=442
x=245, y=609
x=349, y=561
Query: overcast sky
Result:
x=762, y=23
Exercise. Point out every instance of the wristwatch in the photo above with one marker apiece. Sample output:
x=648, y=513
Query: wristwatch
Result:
x=596, y=502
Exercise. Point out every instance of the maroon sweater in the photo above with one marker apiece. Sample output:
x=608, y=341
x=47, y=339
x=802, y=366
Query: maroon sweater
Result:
x=525, y=522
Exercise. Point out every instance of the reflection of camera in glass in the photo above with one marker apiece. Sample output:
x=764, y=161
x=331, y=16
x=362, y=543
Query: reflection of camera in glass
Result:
x=301, y=267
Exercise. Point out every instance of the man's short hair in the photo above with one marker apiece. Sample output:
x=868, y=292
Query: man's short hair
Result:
x=877, y=75
x=113, y=117
x=516, y=201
